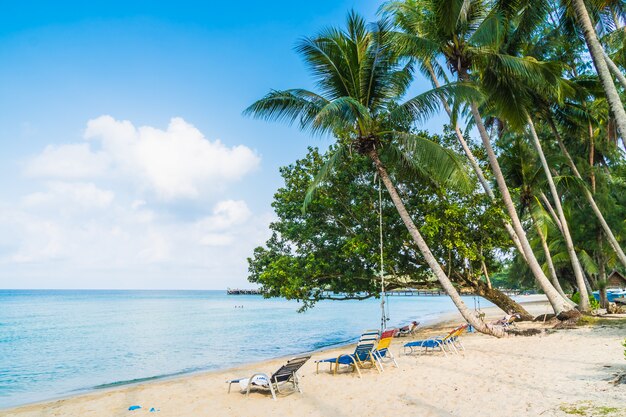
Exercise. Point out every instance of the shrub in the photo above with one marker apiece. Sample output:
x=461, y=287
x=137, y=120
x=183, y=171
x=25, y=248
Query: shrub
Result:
x=593, y=303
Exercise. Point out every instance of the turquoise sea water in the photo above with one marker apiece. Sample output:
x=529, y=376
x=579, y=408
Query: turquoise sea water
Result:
x=58, y=343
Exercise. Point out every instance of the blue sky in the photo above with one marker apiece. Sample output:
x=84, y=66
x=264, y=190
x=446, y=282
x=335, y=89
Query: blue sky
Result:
x=125, y=160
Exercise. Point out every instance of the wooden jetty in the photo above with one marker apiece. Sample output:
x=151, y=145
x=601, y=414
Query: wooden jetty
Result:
x=237, y=291
x=437, y=292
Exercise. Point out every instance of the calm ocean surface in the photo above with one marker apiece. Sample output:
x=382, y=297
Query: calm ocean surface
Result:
x=57, y=343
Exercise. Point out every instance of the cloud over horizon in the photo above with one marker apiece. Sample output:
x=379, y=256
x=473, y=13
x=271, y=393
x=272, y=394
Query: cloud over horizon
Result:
x=117, y=203
x=178, y=162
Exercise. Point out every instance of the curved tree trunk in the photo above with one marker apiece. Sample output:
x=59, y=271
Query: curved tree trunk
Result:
x=559, y=304
x=500, y=299
x=445, y=282
x=615, y=70
x=598, y=56
x=556, y=219
x=472, y=160
x=569, y=243
x=551, y=269
x=596, y=210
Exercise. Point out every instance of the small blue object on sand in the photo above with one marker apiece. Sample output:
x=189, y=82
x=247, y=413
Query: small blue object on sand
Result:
x=134, y=407
x=154, y=410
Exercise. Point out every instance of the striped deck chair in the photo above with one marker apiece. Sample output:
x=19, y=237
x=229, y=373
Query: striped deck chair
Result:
x=363, y=355
x=285, y=374
x=382, y=350
x=451, y=342
x=455, y=339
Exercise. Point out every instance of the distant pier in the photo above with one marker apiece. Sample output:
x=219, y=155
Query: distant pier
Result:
x=237, y=291
x=413, y=292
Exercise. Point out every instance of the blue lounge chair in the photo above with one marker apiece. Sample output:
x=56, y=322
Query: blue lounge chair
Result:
x=363, y=354
x=450, y=341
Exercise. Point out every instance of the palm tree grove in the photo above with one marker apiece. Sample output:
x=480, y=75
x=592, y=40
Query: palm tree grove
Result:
x=493, y=133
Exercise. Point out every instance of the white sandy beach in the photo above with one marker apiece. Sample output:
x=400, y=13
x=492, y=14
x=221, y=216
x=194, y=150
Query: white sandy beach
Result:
x=560, y=373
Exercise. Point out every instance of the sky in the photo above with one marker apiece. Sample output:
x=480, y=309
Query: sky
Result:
x=126, y=161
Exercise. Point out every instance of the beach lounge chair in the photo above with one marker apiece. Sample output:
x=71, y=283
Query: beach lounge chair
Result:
x=508, y=320
x=382, y=350
x=286, y=374
x=408, y=329
x=451, y=341
x=363, y=355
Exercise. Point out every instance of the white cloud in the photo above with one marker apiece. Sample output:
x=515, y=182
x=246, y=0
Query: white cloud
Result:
x=178, y=162
x=226, y=215
x=85, y=195
x=116, y=212
x=67, y=162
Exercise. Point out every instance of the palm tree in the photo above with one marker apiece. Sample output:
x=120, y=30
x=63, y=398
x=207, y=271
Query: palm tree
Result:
x=586, y=192
x=360, y=80
x=574, y=116
x=463, y=33
x=514, y=98
x=524, y=173
x=598, y=56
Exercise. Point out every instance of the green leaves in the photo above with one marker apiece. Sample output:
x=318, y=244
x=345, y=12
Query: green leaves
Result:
x=416, y=157
x=333, y=245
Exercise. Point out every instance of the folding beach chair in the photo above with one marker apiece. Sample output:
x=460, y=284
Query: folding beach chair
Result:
x=382, y=350
x=508, y=320
x=286, y=374
x=451, y=341
x=408, y=329
x=363, y=355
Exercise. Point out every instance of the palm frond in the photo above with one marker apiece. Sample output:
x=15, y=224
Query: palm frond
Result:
x=333, y=160
x=426, y=104
x=288, y=106
x=430, y=160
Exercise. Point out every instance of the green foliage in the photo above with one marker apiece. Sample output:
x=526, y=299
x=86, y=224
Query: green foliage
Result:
x=593, y=303
x=333, y=245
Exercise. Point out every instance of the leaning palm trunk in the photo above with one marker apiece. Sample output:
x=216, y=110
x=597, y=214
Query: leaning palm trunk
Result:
x=445, y=282
x=615, y=70
x=569, y=243
x=596, y=210
x=597, y=54
x=472, y=160
x=546, y=251
x=548, y=205
x=559, y=304
x=500, y=299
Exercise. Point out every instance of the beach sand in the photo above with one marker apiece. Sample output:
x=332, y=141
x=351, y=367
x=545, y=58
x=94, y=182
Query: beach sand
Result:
x=558, y=373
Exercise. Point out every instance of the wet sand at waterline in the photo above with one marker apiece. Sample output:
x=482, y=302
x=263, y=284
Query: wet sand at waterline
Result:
x=559, y=373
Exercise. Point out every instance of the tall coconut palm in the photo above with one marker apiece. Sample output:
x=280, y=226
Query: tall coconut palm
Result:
x=360, y=80
x=524, y=173
x=556, y=131
x=598, y=56
x=463, y=33
x=573, y=117
x=401, y=40
x=514, y=99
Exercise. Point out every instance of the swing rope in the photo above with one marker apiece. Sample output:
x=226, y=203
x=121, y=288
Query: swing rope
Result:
x=385, y=315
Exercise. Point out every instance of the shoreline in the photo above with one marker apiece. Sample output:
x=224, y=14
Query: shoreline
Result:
x=429, y=326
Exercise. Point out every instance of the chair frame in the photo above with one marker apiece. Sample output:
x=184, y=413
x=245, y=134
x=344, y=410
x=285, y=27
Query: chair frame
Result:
x=365, y=346
x=287, y=373
x=452, y=341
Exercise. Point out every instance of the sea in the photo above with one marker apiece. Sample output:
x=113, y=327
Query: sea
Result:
x=57, y=343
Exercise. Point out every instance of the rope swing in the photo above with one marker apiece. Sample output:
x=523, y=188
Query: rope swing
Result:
x=384, y=313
